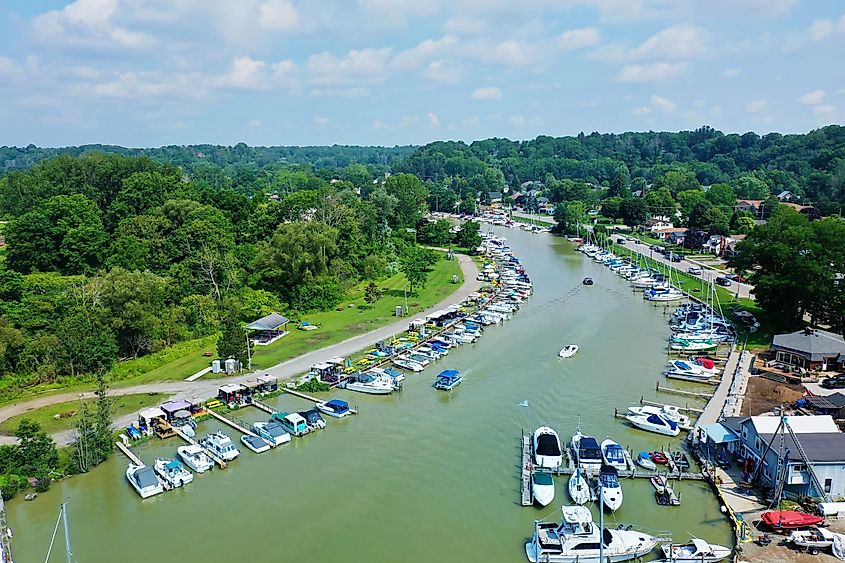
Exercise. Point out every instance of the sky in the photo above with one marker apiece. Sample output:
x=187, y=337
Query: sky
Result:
x=394, y=72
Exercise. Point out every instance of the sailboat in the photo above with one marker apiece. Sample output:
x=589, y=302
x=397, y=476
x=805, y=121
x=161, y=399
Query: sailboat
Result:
x=579, y=487
x=62, y=519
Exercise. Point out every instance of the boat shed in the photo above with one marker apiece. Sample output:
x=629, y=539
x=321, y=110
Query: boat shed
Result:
x=267, y=329
x=231, y=393
x=717, y=442
x=150, y=418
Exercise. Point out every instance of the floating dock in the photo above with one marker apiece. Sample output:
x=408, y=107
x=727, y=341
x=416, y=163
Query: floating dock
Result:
x=129, y=453
x=237, y=426
x=525, y=471
x=222, y=464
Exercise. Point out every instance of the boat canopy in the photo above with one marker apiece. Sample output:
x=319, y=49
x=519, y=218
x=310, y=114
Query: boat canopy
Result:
x=706, y=363
x=151, y=413
x=230, y=388
x=337, y=405
x=171, y=407
x=173, y=465
x=660, y=421
x=146, y=477
x=543, y=478
x=449, y=374
x=547, y=445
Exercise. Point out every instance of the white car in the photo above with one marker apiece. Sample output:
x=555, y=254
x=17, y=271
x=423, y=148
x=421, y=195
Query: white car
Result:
x=694, y=270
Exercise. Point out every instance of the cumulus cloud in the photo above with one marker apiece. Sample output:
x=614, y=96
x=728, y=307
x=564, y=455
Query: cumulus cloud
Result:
x=486, y=93
x=663, y=104
x=822, y=29
x=813, y=98
x=87, y=23
x=355, y=67
x=245, y=72
x=278, y=15
x=424, y=52
x=433, y=120
x=680, y=41
x=652, y=72
x=757, y=106
x=579, y=38
x=442, y=71
x=510, y=53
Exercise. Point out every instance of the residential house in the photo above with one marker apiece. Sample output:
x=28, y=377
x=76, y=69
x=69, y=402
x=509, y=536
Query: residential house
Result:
x=654, y=224
x=730, y=248
x=717, y=244
x=495, y=197
x=786, y=195
x=672, y=235
x=543, y=205
x=754, y=206
x=810, y=349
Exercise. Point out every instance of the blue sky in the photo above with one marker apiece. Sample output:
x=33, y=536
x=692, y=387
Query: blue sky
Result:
x=270, y=72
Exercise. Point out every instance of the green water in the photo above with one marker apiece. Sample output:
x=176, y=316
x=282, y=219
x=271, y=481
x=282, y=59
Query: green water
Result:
x=420, y=476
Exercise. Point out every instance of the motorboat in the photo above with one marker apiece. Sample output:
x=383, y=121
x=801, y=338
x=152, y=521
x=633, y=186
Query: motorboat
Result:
x=568, y=351
x=371, y=384
x=272, y=432
x=659, y=458
x=220, y=445
x=547, y=451
x=448, y=379
x=578, y=539
x=294, y=423
x=144, y=480
x=421, y=359
x=644, y=461
x=172, y=472
x=669, y=412
x=587, y=451
x=664, y=295
x=407, y=364
x=812, y=539
x=542, y=487
x=695, y=550
x=255, y=443
x=654, y=423
x=789, y=519
x=681, y=345
x=664, y=494
x=689, y=369
x=335, y=408
x=313, y=419
x=610, y=490
x=587, y=281
x=195, y=457
x=579, y=487
x=613, y=454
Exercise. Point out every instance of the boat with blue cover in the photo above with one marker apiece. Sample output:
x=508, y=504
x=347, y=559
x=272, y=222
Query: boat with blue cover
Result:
x=448, y=380
x=613, y=454
x=654, y=422
x=335, y=408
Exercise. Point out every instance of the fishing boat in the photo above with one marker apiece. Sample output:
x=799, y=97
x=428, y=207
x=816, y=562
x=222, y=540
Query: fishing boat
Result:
x=579, y=487
x=272, y=432
x=644, y=461
x=220, y=445
x=610, y=490
x=789, y=519
x=371, y=384
x=669, y=412
x=654, y=423
x=172, y=472
x=195, y=457
x=448, y=379
x=255, y=443
x=568, y=351
x=547, y=451
x=812, y=539
x=542, y=487
x=578, y=539
x=144, y=480
x=613, y=454
x=335, y=408
x=587, y=451
x=695, y=550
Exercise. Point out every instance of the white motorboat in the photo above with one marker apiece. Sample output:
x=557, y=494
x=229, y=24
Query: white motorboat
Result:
x=812, y=539
x=690, y=369
x=670, y=294
x=422, y=359
x=644, y=460
x=195, y=457
x=579, y=487
x=407, y=364
x=255, y=443
x=654, y=423
x=670, y=412
x=172, y=472
x=547, y=451
x=568, y=351
x=371, y=385
x=542, y=487
x=335, y=408
x=220, y=445
x=696, y=550
x=587, y=451
x=271, y=432
x=144, y=480
x=610, y=490
x=694, y=346
x=577, y=539
x=613, y=454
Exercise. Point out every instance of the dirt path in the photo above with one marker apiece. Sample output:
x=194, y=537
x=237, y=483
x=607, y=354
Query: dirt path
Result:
x=201, y=390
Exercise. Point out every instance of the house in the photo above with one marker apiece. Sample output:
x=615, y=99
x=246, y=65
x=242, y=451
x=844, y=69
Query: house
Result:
x=754, y=206
x=717, y=244
x=656, y=223
x=719, y=442
x=810, y=349
x=833, y=405
x=730, y=248
x=786, y=195
x=672, y=235
x=495, y=197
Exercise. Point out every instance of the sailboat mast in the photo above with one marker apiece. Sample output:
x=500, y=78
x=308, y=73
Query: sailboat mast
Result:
x=68, y=552
x=601, y=522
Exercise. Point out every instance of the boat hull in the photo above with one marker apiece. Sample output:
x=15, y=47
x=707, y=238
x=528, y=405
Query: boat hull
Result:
x=643, y=424
x=579, y=489
x=368, y=390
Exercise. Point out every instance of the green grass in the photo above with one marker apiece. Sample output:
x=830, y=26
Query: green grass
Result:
x=336, y=326
x=538, y=222
x=176, y=362
x=44, y=416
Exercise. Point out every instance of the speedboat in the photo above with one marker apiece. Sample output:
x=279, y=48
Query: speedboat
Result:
x=195, y=457
x=144, y=480
x=542, y=487
x=272, y=432
x=610, y=490
x=587, y=281
x=579, y=487
x=568, y=351
x=172, y=472
x=654, y=423
x=695, y=550
x=669, y=412
x=448, y=380
x=578, y=539
x=371, y=384
x=255, y=443
x=335, y=408
x=644, y=461
x=691, y=370
x=547, y=451
x=812, y=539
x=587, y=451
x=664, y=494
x=789, y=519
x=220, y=445
x=407, y=364
x=613, y=454
x=313, y=419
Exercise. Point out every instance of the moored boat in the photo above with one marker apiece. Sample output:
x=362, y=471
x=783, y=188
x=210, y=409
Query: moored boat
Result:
x=257, y=444
x=644, y=460
x=568, y=351
x=220, y=445
x=172, y=472
x=613, y=454
x=144, y=480
x=371, y=384
x=542, y=487
x=195, y=457
x=547, y=450
x=669, y=412
x=610, y=490
x=579, y=487
x=335, y=408
x=695, y=550
x=587, y=451
x=272, y=432
x=654, y=423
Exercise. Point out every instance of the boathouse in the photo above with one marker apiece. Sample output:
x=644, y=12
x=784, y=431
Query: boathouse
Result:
x=268, y=329
x=809, y=349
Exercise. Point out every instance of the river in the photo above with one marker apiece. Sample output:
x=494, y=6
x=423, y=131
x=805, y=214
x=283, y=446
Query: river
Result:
x=419, y=476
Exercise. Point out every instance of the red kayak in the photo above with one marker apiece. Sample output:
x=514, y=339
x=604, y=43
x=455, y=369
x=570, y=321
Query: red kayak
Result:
x=658, y=457
x=789, y=519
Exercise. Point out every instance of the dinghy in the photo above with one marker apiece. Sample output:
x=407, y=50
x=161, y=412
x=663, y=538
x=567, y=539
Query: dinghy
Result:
x=695, y=550
x=568, y=351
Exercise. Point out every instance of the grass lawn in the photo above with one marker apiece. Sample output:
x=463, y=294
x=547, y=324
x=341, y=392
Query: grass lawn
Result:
x=44, y=416
x=538, y=222
x=336, y=326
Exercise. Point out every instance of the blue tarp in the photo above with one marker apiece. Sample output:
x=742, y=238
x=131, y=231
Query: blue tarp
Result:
x=449, y=373
x=337, y=404
x=718, y=434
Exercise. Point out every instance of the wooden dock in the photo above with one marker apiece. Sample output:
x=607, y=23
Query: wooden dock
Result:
x=643, y=474
x=237, y=426
x=263, y=406
x=525, y=471
x=301, y=395
x=662, y=389
x=685, y=408
x=129, y=453
x=222, y=464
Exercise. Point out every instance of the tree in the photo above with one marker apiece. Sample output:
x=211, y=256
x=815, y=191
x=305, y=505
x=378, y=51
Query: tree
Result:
x=633, y=211
x=435, y=232
x=36, y=452
x=688, y=200
x=372, y=293
x=233, y=341
x=749, y=186
x=620, y=184
x=660, y=202
x=677, y=181
x=416, y=263
x=721, y=195
x=469, y=236
x=410, y=194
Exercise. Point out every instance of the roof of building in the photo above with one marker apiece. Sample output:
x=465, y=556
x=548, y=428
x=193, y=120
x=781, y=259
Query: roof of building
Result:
x=815, y=424
x=495, y=195
x=270, y=322
x=821, y=447
x=755, y=202
x=718, y=434
x=815, y=343
x=784, y=193
x=819, y=402
x=837, y=399
x=175, y=406
x=733, y=423
x=670, y=230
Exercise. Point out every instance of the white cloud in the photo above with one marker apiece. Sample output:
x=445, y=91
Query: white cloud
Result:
x=663, y=104
x=486, y=93
x=731, y=72
x=87, y=23
x=321, y=120
x=652, y=72
x=579, y=38
x=397, y=13
x=465, y=26
x=245, y=72
x=357, y=66
x=442, y=71
x=757, y=106
x=643, y=110
x=822, y=29
x=278, y=15
x=824, y=110
x=255, y=124
x=417, y=57
x=680, y=41
x=433, y=120
x=813, y=98
x=510, y=53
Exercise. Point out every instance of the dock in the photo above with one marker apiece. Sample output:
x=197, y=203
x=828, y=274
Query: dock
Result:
x=129, y=453
x=237, y=426
x=263, y=406
x=663, y=389
x=685, y=408
x=643, y=474
x=727, y=400
x=222, y=464
x=300, y=395
x=5, y=536
x=525, y=471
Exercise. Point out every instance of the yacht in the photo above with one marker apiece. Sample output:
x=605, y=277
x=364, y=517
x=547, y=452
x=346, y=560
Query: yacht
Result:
x=144, y=480
x=587, y=451
x=547, y=451
x=669, y=412
x=335, y=408
x=610, y=490
x=172, y=472
x=195, y=457
x=255, y=443
x=579, y=487
x=667, y=294
x=578, y=539
x=613, y=454
x=542, y=487
x=690, y=370
x=695, y=550
x=408, y=364
x=681, y=345
x=220, y=445
x=371, y=385
x=654, y=423
x=272, y=432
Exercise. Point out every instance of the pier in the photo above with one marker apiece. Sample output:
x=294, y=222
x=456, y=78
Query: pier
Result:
x=662, y=389
x=232, y=423
x=727, y=400
x=129, y=453
x=525, y=471
x=685, y=408
x=263, y=406
x=301, y=395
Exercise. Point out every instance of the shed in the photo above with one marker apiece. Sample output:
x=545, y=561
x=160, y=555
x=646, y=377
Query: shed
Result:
x=170, y=408
x=231, y=393
x=268, y=383
x=268, y=329
x=147, y=418
x=718, y=442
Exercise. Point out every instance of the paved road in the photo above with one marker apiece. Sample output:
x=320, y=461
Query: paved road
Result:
x=201, y=390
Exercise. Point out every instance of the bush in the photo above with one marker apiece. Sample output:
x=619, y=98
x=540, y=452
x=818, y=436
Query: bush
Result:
x=314, y=386
x=12, y=485
x=42, y=486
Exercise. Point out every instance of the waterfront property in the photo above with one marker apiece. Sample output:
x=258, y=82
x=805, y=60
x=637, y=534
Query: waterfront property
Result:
x=810, y=349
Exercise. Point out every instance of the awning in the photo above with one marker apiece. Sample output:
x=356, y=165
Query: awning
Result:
x=264, y=379
x=151, y=413
x=232, y=388
x=171, y=407
x=270, y=322
x=718, y=434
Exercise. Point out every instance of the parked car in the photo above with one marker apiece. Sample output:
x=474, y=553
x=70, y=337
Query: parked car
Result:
x=724, y=281
x=657, y=248
x=694, y=271
x=835, y=382
x=738, y=278
x=675, y=257
x=620, y=240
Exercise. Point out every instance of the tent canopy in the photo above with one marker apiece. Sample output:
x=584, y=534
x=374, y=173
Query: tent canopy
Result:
x=151, y=413
x=271, y=322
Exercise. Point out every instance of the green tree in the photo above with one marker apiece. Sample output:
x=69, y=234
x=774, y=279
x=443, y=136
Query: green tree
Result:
x=416, y=263
x=233, y=341
x=36, y=452
x=372, y=293
x=660, y=202
x=411, y=195
x=633, y=211
x=469, y=236
x=721, y=195
x=749, y=186
x=620, y=184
